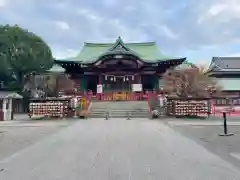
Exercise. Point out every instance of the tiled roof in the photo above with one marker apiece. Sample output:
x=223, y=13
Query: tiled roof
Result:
x=224, y=64
x=147, y=51
x=8, y=94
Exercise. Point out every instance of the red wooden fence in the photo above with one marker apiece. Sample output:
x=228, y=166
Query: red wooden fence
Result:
x=121, y=96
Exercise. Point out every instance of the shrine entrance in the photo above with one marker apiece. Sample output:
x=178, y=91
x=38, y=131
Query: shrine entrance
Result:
x=119, y=87
x=117, y=83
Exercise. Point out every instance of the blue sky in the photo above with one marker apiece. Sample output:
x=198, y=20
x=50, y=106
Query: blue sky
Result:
x=197, y=29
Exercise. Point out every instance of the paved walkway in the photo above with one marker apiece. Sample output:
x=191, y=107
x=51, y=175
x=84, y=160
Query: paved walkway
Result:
x=189, y=122
x=35, y=123
x=116, y=150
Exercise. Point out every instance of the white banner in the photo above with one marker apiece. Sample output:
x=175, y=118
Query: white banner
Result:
x=136, y=87
x=99, y=88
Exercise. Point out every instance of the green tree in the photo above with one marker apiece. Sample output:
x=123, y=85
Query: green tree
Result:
x=22, y=52
x=5, y=73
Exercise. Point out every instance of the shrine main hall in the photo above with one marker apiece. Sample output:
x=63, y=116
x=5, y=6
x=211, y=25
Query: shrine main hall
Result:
x=118, y=66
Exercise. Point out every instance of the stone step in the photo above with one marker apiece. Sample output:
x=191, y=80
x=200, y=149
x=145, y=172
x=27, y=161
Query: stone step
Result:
x=119, y=114
x=120, y=105
x=120, y=109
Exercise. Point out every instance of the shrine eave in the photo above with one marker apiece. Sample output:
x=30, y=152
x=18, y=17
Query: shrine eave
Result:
x=223, y=73
x=158, y=61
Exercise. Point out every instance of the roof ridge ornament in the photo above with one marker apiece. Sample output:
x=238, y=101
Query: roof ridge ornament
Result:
x=119, y=39
x=119, y=45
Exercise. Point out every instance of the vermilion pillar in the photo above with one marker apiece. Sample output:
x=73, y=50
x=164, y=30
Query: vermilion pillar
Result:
x=99, y=78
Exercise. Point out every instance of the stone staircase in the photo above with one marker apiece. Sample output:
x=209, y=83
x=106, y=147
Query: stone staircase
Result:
x=119, y=109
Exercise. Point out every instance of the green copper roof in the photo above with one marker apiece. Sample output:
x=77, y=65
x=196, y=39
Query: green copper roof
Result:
x=147, y=51
x=229, y=84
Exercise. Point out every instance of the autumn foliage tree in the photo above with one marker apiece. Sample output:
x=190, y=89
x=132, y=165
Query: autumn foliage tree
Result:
x=192, y=82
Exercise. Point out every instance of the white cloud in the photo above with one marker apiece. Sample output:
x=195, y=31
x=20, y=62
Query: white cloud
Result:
x=3, y=3
x=222, y=11
x=62, y=5
x=105, y=28
x=127, y=33
x=63, y=25
x=168, y=32
x=216, y=9
x=177, y=26
x=110, y=2
x=60, y=52
x=90, y=15
x=129, y=8
x=233, y=54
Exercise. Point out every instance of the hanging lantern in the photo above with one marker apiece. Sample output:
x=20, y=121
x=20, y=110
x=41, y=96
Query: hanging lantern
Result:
x=114, y=78
x=127, y=79
x=105, y=77
x=123, y=79
x=111, y=78
x=133, y=77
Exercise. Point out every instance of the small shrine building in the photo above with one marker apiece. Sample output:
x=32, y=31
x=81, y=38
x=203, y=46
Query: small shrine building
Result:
x=227, y=72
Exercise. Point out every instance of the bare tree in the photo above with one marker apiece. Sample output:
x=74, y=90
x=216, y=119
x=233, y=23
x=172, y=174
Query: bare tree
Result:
x=65, y=84
x=48, y=85
x=62, y=82
x=34, y=84
x=192, y=82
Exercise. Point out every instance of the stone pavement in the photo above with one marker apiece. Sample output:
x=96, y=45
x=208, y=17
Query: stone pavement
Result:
x=20, y=117
x=203, y=122
x=17, y=135
x=116, y=150
x=207, y=134
x=36, y=123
